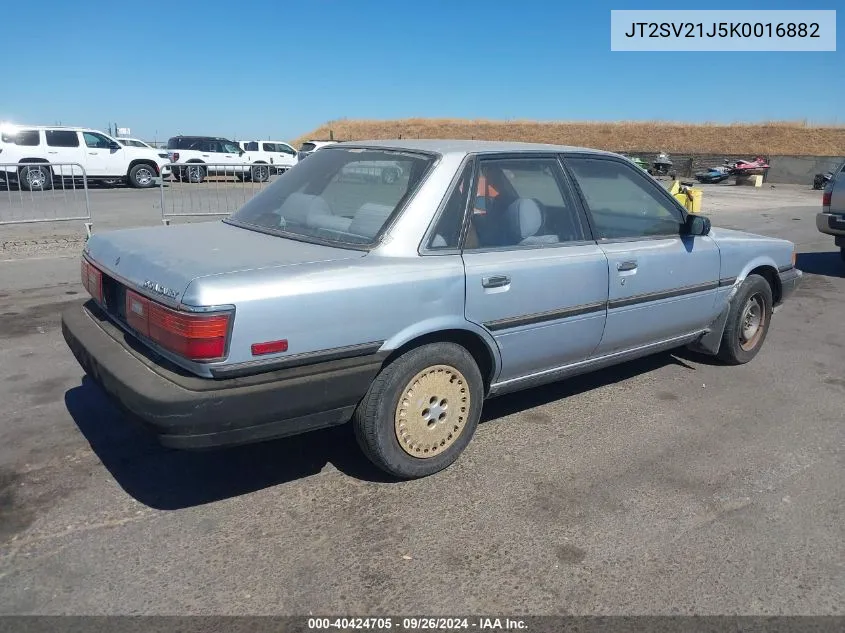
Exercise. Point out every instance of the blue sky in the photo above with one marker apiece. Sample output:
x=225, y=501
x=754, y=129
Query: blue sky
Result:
x=277, y=69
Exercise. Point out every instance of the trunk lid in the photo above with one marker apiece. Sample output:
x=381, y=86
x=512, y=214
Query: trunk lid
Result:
x=163, y=260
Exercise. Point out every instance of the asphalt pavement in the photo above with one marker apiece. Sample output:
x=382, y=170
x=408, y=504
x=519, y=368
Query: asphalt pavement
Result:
x=669, y=485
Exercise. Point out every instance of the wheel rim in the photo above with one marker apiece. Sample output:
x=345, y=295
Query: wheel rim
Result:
x=35, y=178
x=143, y=176
x=260, y=173
x=432, y=411
x=753, y=322
x=193, y=173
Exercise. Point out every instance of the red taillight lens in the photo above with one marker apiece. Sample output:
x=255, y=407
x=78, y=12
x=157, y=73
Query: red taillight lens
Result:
x=175, y=157
x=92, y=280
x=192, y=336
x=826, y=196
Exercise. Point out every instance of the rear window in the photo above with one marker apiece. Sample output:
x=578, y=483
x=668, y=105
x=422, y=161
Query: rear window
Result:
x=62, y=138
x=344, y=196
x=307, y=147
x=28, y=138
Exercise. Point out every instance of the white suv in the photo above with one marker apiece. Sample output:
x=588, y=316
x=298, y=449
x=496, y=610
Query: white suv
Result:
x=214, y=156
x=68, y=148
x=277, y=153
x=309, y=147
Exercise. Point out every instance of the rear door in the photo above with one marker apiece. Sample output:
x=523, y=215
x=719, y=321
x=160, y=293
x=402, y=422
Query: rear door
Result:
x=534, y=277
x=662, y=283
x=65, y=146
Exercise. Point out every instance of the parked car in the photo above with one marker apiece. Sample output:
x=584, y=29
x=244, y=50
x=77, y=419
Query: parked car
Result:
x=214, y=156
x=831, y=220
x=404, y=308
x=278, y=153
x=309, y=147
x=100, y=155
x=132, y=142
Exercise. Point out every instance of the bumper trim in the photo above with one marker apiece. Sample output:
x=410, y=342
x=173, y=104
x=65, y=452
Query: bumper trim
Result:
x=186, y=411
x=830, y=223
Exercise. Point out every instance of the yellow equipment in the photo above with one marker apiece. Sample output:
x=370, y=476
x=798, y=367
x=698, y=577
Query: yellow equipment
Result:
x=690, y=197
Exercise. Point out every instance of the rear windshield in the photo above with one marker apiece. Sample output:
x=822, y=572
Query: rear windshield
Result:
x=344, y=196
x=307, y=147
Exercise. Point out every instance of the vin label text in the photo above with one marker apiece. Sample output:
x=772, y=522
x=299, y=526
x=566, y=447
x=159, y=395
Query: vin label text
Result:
x=725, y=30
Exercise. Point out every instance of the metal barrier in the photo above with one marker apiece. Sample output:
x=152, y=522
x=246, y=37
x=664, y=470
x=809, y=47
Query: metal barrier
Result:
x=44, y=192
x=199, y=189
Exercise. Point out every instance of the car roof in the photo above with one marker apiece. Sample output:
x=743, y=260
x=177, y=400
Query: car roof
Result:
x=457, y=146
x=71, y=128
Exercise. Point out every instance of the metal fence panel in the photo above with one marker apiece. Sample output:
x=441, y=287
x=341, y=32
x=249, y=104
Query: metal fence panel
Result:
x=212, y=189
x=43, y=192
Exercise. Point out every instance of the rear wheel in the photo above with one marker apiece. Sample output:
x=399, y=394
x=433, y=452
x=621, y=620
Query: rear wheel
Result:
x=421, y=411
x=142, y=176
x=35, y=178
x=260, y=173
x=748, y=321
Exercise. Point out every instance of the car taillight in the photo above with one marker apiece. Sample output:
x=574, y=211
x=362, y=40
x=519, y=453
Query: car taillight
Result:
x=826, y=196
x=92, y=280
x=175, y=157
x=198, y=337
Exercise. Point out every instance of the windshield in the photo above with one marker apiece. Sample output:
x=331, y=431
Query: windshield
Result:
x=338, y=195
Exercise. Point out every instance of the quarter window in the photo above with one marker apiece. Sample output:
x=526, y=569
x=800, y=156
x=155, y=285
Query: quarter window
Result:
x=62, y=138
x=447, y=232
x=522, y=202
x=27, y=138
x=622, y=201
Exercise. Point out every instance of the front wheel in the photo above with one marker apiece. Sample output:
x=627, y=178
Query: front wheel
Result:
x=142, y=176
x=748, y=321
x=421, y=411
x=193, y=173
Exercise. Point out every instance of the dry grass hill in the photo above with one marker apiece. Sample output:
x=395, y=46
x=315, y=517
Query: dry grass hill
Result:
x=740, y=139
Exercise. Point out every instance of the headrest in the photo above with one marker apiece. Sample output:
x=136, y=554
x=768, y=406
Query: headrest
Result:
x=524, y=218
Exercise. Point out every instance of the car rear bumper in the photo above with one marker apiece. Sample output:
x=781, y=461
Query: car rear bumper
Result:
x=189, y=412
x=831, y=223
x=790, y=279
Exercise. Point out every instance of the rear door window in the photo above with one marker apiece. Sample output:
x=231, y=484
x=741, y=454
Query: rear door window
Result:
x=62, y=138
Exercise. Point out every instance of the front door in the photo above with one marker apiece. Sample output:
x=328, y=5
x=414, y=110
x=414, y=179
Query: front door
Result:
x=534, y=278
x=101, y=159
x=662, y=283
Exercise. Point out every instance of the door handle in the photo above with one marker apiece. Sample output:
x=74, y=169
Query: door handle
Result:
x=205, y=155
x=93, y=153
x=52, y=152
x=495, y=281
x=623, y=266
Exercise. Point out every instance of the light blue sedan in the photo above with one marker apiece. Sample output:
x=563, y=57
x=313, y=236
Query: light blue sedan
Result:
x=402, y=304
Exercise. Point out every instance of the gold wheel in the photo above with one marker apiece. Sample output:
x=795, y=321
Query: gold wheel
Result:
x=432, y=411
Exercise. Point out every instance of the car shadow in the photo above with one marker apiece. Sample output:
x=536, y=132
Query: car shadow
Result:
x=829, y=264
x=169, y=479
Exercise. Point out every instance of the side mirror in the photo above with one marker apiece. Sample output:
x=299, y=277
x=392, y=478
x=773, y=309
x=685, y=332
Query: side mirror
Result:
x=240, y=152
x=114, y=145
x=697, y=225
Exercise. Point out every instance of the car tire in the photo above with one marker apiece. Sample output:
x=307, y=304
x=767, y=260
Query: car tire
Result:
x=142, y=176
x=260, y=173
x=193, y=173
x=748, y=321
x=35, y=178
x=421, y=411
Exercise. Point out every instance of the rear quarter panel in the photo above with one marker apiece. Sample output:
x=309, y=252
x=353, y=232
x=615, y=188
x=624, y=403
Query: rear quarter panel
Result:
x=322, y=306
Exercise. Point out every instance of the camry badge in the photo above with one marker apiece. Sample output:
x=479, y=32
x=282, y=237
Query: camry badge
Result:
x=162, y=290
